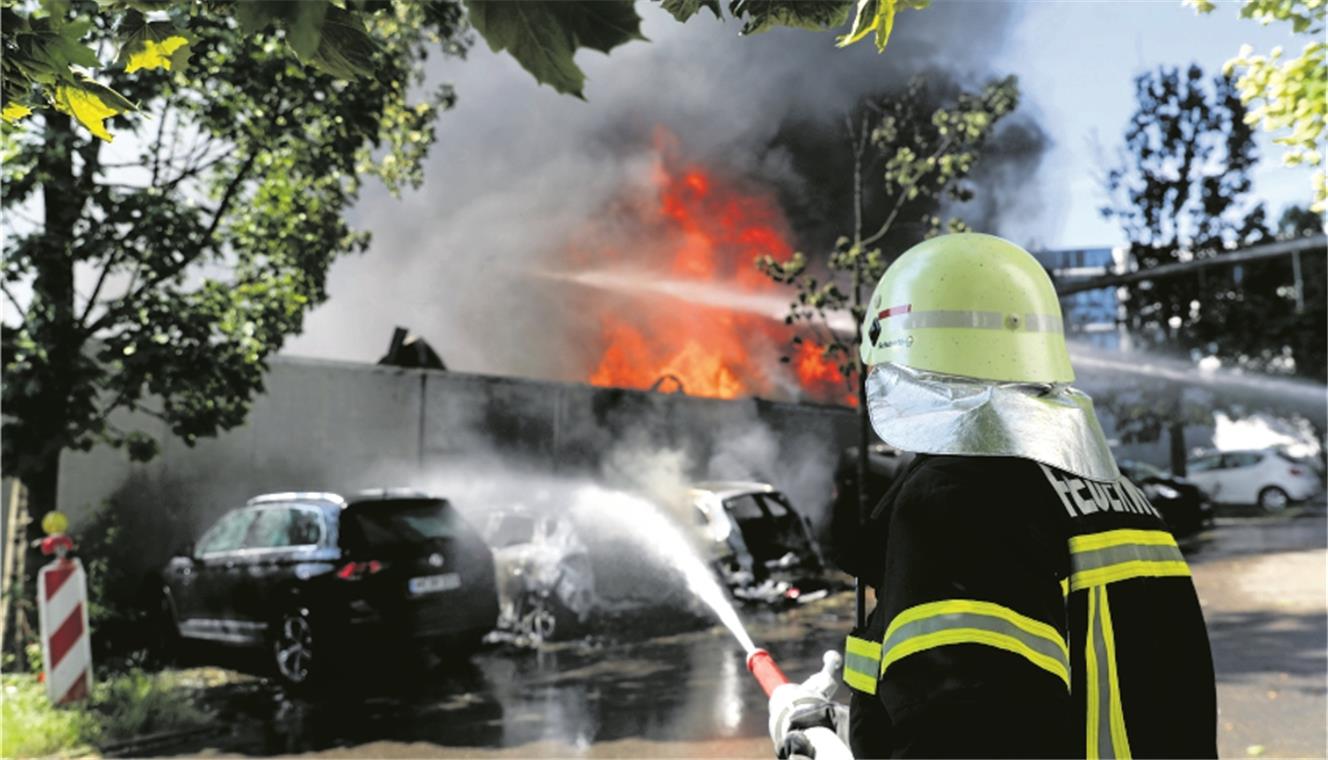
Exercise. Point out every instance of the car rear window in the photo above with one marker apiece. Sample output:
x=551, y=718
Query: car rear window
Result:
x=374, y=525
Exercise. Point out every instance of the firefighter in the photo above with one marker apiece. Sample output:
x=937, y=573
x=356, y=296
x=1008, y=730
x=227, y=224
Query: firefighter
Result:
x=1029, y=599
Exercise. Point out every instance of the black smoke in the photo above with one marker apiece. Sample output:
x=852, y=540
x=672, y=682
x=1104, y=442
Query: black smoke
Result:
x=518, y=170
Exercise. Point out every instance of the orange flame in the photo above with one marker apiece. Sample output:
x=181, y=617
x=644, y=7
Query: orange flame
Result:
x=705, y=228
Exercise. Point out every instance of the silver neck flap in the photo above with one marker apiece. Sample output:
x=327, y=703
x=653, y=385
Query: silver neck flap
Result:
x=933, y=413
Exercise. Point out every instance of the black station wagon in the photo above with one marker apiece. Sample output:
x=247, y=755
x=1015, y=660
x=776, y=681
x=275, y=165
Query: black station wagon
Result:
x=305, y=574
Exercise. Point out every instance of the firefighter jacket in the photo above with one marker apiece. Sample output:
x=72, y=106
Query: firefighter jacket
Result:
x=1023, y=611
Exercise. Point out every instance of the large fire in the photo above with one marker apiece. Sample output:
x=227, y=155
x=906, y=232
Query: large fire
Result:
x=691, y=225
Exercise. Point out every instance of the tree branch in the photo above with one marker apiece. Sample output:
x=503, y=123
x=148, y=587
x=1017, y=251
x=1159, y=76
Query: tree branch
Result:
x=17, y=306
x=899, y=201
x=156, y=145
x=205, y=244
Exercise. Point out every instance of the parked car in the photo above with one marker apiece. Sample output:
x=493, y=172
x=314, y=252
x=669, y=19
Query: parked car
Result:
x=305, y=574
x=761, y=546
x=546, y=585
x=1270, y=478
x=1184, y=506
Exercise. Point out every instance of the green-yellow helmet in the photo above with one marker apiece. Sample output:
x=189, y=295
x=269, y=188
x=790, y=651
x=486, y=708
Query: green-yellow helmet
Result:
x=972, y=305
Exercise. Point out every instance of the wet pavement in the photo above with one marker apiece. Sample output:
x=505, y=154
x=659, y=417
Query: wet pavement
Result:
x=1261, y=580
x=682, y=694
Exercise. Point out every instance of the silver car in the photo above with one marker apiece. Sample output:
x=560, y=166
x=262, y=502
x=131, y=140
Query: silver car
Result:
x=546, y=585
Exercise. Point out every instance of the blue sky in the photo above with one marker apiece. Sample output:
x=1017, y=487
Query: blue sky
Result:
x=1077, y=60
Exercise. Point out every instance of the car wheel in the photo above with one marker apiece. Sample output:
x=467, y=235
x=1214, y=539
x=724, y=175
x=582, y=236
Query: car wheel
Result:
x=1273, y=499
x=293, y=647
x=540, y=624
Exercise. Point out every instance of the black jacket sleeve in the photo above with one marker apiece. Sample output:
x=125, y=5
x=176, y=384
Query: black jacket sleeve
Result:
x=974, y=657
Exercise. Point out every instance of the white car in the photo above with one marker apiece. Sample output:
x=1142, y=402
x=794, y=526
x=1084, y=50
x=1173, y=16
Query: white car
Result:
x=1270, y=478
x=761, y=545
x=546, y=585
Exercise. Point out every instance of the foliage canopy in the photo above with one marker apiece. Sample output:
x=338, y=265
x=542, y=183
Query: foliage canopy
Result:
x=52, y=59
x=158, y=275
x=1287, y=96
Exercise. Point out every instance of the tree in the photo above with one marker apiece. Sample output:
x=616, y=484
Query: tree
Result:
x=1271, y=316
x=50, y=63
x=924, y=143
x=160, y=282
x=1181, y=190
x=1289, y=97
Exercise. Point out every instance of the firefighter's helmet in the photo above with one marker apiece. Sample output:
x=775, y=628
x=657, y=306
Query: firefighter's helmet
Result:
x=968, y=304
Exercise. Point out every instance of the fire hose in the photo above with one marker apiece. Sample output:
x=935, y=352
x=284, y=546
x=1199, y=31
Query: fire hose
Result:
x=804, y=721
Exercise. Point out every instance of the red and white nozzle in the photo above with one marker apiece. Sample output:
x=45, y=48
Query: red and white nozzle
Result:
x=767, y=673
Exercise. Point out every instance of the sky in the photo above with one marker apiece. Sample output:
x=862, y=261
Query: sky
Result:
x=1077, y=61
x=519, y=169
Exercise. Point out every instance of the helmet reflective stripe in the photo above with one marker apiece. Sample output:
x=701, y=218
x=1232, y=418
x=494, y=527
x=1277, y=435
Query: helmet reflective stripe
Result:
x=982, y=320
x=970, y=305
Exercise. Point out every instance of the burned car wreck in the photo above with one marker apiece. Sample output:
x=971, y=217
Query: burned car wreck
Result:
x=760, y=546
x=546, y=584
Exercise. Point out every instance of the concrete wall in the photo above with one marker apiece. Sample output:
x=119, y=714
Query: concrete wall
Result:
x=339, y=426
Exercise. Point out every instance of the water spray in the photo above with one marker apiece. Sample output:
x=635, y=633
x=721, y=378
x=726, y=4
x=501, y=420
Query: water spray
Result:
x=803, y=719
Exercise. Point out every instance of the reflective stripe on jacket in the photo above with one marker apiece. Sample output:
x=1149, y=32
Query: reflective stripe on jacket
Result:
x=1023, y=611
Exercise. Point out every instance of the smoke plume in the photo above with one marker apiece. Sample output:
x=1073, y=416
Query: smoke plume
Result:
x=520, y=172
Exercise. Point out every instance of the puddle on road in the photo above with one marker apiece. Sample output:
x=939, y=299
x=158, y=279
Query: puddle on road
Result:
x=684, y=686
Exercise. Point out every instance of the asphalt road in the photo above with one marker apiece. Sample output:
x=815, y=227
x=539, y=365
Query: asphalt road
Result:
x=1262, y=584
x=1261, y=581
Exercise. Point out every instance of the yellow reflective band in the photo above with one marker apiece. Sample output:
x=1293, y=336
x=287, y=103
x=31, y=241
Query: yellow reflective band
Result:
x=863, y=647
x=1111, y=538
x=862, y=664
x=1090, y=681
x=1120, y=740
x=967, y=621
x=1125, y=571
x=1065, y=586
x=932, y=609
x=976, y=636
x=1117, y=555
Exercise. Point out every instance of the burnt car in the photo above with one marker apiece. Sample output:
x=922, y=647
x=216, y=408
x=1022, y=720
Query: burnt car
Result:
x=304, y=575
x=546, y=584
x=1183, y=505
x=760, y=545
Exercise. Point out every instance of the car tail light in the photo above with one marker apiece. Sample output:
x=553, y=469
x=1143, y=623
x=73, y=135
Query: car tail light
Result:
x=354, y=571
x=792, y=593
x=1297, y=472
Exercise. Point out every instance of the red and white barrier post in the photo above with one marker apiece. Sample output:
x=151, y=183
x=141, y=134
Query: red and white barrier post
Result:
x=62, y=607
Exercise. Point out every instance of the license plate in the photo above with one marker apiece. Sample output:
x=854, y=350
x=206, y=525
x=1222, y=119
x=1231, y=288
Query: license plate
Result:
x=429, y=584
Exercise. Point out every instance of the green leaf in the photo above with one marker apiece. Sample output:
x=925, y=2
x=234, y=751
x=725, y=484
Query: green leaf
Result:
x=685, y=9
x=814, y=15
x=304, y=26
x=91, y=104
x=345, y=50
x=302, y=21
x=254, y=16
x=544, y=36
x=156, y=45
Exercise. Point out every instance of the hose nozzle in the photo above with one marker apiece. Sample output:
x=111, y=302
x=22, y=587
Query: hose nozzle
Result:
x=767, y=673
